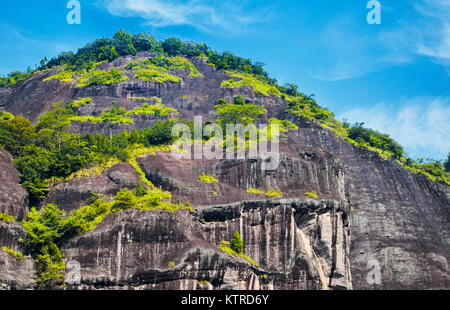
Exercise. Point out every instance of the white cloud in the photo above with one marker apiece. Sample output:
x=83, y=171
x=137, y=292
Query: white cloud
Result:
x=421, y=125
x=203, y=15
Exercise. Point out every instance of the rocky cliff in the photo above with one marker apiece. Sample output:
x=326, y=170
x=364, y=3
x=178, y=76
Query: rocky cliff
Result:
x=368, y=209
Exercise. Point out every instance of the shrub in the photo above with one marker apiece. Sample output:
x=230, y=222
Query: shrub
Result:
x=274, y=193
x=222, y=102
x=157, y=75
x=311, y=194
x=123, y=155
x=255, y=191
x=239, y=100
x=7, y=218
x=98, y=77
x=239, y=114
x=208, y=179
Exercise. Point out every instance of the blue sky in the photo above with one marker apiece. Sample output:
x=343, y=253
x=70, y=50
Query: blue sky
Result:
x=395, y=76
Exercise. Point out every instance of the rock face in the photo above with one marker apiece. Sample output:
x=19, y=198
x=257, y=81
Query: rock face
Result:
x=13, y=197
x=296, y=245
x=374, y=225
x=14, y=273
x=73, y=194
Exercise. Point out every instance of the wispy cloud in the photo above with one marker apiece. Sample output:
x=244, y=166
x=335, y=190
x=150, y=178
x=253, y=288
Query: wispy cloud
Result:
x=231, y=16
x=421, y=125
x=422, y=30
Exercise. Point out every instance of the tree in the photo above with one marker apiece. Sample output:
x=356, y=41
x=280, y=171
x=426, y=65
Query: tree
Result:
x=56, y=120
x=237, y=244
x=18, y=133
x=447, y=163
x=239, y=100
x=125, y=199
x=140, y=190
x=173, y=46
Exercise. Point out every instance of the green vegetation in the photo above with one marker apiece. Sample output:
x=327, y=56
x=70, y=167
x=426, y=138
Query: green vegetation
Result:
x=239, y=114
x=48, y=230
x=255, y=191
x=359, y=136
x=274, y=193
x=44, y=232
x=311, y=194
x=147, y=75
x=156, y=68
x=6, y=217
x=251, y=81
x=5, y=116
x=236, y=244
x=208, y=179
x=15, y=77
x=156, y=109
x=81, y=102
x=47, y=151
x=98, y=77
x=62, y=74
x=17, y=255
x=369, y=137
x=225, y=246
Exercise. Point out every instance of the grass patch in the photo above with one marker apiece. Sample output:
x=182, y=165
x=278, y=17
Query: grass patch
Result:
x=15, y=254
x=63, y=75
x=225, y=246
x=250, y=80
x=81, y=102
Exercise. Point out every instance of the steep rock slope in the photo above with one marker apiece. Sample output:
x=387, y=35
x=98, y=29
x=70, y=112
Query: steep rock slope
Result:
x=369, y=209
x=13, y=198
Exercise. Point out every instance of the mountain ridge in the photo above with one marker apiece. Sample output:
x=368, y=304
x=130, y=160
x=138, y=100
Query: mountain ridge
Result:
x=368, y=207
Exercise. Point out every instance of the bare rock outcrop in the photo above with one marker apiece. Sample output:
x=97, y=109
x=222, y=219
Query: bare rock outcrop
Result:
x=13, y=197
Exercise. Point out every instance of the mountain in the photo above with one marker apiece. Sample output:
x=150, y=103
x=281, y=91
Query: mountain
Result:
x=87, y=180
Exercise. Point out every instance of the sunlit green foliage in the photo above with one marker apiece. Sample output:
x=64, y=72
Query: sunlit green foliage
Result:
x=81, y=102
x=311, y=194
x=15, y=254
x=99, y=77
x=14, y=78
x=207, y=179
x=156, y=75
x=63, y=74
x=236, y=243
x=249, y=80
x=239, y=114
x=255, y=191
x=274, y=193
x=375, y=139
x=6, y=217
x=157, y=109
x=225, y=246
x=5, y=116
x=43, y=234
